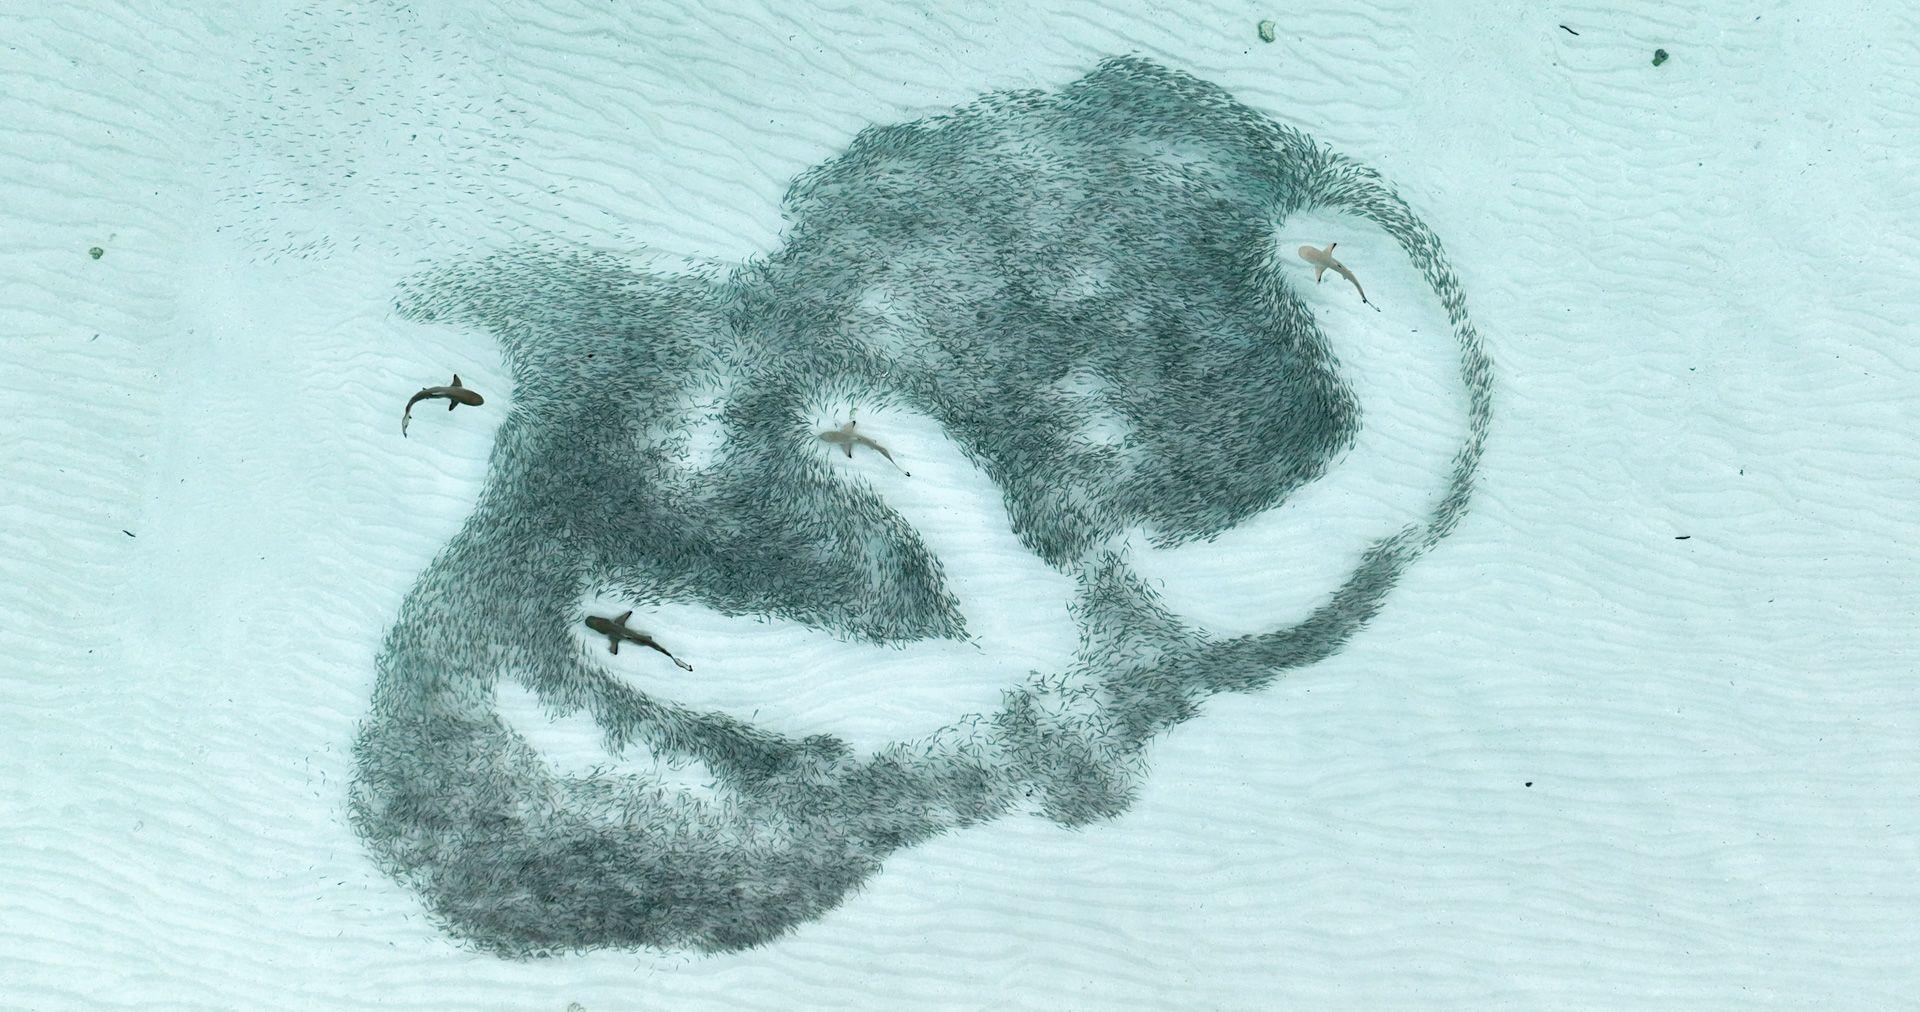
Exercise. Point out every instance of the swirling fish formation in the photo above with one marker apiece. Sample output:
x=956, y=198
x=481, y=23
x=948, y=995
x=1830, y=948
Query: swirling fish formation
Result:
x=1118, y=231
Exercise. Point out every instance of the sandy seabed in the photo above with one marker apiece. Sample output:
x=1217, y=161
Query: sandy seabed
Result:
x=1639, y=733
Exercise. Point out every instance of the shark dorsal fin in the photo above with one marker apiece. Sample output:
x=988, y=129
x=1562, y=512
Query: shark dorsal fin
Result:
x=622, y=620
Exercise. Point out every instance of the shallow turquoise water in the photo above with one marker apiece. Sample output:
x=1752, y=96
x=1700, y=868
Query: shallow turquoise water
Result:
x=1632, y=735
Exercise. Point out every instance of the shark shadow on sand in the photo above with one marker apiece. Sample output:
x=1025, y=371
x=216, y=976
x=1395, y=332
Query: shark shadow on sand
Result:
x=962, y=266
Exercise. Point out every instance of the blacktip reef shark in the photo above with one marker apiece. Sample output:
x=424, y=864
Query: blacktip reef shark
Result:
x=845, y=438
x=615, y=630
x=455, y=394
x=1323, y=261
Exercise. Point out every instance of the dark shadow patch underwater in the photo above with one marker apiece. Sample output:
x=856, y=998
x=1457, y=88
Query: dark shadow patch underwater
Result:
x=1012, y=269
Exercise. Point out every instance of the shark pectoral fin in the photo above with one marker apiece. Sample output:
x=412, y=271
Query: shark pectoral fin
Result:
x=451, y=404
x=1318, y=272
x=1330, y=247
x=456, y=379
x=613, y=644
x=848, y=446
x=622, y=620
